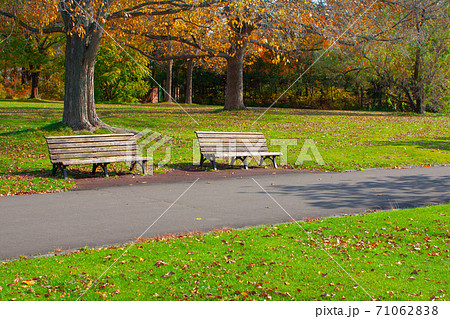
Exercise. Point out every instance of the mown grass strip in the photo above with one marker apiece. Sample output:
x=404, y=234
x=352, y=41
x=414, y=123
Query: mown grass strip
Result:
x=394, y=255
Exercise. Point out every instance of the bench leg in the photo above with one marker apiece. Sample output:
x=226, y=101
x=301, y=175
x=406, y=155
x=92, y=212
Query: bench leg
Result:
x=105, y=169
x=63, y=170
x=94, y=168
x=60, y=167
x=244, y=161
x=133, y=164
x=202, y=160
x=274, y=161
x=211, y=159
x=233, y=161
x=143, y=165
x=262, y=160
x=272, y=158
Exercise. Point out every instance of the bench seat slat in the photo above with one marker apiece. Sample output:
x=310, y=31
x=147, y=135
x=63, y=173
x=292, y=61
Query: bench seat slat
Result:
x=90, y=139
x=90, y=144
x=227, y=133
x=243, y=154
x=92, y=150
x=87, y=161
x=93, y=135
x=231, y=136
x=237, y=141
x=91, y=155
x=233, y=149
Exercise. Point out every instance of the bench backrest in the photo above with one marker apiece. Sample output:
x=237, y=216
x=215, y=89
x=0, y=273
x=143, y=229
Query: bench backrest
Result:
x=91, y=146
x=231, y=142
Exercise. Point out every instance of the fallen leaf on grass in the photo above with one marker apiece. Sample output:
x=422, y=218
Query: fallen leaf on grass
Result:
x=160, y=263
x=116, y=292
x=168, y=275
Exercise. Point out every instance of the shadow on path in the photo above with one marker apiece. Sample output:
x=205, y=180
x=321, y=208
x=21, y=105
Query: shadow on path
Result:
x=389, y=192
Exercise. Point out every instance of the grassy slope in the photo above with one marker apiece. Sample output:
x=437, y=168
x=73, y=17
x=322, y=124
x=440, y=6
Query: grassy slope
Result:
x=346, y=140
x=395, y=255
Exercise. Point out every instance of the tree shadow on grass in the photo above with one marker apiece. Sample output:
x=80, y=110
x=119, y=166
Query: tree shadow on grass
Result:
x=441, y=143
x=53, y=127
x=387, y=192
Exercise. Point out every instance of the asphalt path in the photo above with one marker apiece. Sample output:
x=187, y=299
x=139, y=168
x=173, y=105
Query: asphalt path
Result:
x=42, y=223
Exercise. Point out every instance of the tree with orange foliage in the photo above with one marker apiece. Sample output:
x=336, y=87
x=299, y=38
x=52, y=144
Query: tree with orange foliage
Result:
x=232, y=30
x=83, y=22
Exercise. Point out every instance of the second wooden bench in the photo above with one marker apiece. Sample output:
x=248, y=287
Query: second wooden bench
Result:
x=234, y=145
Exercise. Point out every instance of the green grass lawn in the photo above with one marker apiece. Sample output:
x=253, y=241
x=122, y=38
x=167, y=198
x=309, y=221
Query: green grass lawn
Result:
x=393, y=255
x=346, y=140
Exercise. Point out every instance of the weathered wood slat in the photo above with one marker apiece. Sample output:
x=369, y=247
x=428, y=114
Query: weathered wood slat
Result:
x=235, y=136
x=231, y=149
x=230, y=144
x=227, y=133
x=243, y=154
x=232, y=140
x=88, y=161
x=93, y=135
x=91, y=155
x=88, y=144
x=89, y=139
x=93, y=150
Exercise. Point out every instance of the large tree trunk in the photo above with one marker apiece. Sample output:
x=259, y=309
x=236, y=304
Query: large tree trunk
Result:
x=79, y=104
x=168, y=93
x=234, y=98
x=190, y=69
x=81, y=52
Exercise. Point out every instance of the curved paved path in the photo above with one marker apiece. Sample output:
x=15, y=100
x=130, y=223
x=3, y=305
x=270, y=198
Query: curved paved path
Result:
x=38, y=224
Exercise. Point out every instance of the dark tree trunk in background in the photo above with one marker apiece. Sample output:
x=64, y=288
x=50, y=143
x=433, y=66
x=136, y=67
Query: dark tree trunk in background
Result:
x=168, y=93
x=34, y=83
x=234, y=98
x=380, y=95
x=417, y=85
x=190, y=69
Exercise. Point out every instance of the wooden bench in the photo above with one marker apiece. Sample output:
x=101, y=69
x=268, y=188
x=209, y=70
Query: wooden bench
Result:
x=98, y=150
x=234, y=145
